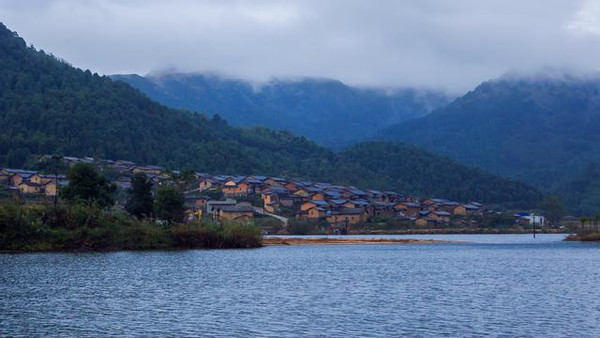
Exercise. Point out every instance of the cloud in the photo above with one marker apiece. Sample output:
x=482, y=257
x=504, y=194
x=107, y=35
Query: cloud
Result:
x=452, y=45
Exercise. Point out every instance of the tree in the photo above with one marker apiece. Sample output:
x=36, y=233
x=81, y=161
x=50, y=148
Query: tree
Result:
x=140, y=201
x=86, y=185
x=554, y=210
x=169, y=204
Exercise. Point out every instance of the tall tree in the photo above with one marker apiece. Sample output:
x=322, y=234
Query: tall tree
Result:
x=554, y=210
x=86, y=185
x=169, y=204
x=140, y=201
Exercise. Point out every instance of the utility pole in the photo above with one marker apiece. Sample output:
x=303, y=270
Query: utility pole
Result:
x=533, y=227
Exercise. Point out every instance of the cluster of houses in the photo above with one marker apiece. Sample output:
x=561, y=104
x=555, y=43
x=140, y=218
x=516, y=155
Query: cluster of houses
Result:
x=335, y=204
x=303, y=200
x=32, y=182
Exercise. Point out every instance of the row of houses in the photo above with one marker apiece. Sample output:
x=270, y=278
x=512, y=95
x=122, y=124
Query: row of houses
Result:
x=32, y=182
x=315, y=201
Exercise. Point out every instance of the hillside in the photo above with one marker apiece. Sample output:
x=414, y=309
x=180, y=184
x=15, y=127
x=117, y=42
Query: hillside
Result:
x=540, y=130
x=326, y=111
x=47, y=106
x=582, y=193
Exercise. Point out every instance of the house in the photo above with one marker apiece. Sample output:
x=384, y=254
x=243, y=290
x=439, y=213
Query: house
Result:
x=293, y=186
x=196, y=201
x=207, y=183
x=447, y=206
x=381, y=209
x=302, y=192
x=44, y=178
x=356, y=204
x=442, y=216
x=214, y=206
x=16, y=176
x=376, y=195
x=348, y=216
x=530, y=219
x=425, y=221
x=314, y=204
x=28, y=187
x=473, y=209
x=150, y=169
x=272, y=194
x=312, y=213
x=287, y=200
x=317, y=196
x=337, y=203
x=330, y=194
x=238, y=189
x=254, y=185
x=275, y=181
x=410, y=209
x=355, y=193
x=238, y=212
x=51, y=188
x=438, y=216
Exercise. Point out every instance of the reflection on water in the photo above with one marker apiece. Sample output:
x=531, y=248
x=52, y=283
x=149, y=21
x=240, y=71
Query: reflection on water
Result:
x=493, y=285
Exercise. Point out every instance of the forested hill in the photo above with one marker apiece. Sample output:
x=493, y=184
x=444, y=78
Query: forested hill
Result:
x=47, y=106
x=541, y=130
x=326, y=111
x=50, y=107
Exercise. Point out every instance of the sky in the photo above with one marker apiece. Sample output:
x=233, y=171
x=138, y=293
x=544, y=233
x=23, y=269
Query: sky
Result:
x=443, y=44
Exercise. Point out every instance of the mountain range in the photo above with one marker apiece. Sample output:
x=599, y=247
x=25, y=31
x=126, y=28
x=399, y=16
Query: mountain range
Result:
x=539, y=129
x=327, y=111
x=47, y=106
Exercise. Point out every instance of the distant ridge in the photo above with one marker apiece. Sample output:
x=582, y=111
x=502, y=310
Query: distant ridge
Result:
x=539, y=129
x=324, y=110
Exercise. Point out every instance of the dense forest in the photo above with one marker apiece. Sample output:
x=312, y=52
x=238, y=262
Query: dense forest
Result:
x=47, y=106
x=326, y=111
x=582, y=193
x=541, y=130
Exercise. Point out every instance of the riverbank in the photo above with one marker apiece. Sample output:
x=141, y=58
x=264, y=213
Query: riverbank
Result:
x=457, y=231
x=270, y=241
x=585, y=237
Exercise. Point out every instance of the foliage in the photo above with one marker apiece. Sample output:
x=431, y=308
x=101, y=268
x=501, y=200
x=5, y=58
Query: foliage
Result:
x=140, y=201
x=86, y=185
x=410, y=170
x=553, y=208
x=91, y=228
x=168, y=204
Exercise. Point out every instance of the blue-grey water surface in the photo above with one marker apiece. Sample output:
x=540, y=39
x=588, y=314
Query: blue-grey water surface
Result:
x=494, y=285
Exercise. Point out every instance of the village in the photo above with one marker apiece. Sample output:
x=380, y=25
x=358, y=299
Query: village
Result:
x=335, y=208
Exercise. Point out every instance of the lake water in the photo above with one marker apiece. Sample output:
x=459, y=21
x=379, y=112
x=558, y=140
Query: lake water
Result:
x=492, y=285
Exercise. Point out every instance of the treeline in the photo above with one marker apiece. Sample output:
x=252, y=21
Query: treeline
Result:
x=49, y=107
x=85, y=218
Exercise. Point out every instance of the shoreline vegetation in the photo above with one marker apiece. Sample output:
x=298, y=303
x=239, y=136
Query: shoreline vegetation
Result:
x=84, y=228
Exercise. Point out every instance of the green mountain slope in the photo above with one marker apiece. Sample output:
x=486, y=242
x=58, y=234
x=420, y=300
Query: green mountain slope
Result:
x=47, y=106
x=539, y=130
x=326, y=111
